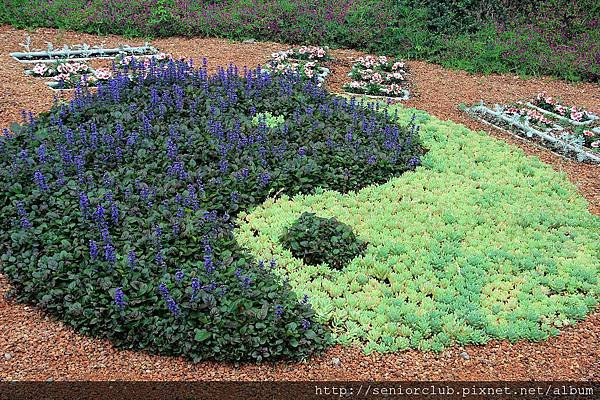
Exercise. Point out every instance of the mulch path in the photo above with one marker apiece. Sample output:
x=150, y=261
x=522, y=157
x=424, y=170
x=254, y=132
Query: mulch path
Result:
x=34, y=346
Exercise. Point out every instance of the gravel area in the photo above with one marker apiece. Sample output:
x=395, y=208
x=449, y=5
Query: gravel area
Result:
x=36, y=347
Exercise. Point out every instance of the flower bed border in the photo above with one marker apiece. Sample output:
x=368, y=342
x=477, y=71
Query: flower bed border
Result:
x=560, y=147
x=563, y=118
x=371, y=96
x=53, y=56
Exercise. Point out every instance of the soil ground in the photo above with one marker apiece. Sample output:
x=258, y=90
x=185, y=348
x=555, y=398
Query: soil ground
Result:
x=36, y=347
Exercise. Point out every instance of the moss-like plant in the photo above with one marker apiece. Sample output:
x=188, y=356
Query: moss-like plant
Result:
x=318, y=240
x=481, y=242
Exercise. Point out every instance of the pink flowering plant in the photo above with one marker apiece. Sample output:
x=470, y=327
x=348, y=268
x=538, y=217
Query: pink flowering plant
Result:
x=591, y=138
x=73, y=79
x=533, y=117
x=124, y=61
x=42, y=70
x=522, y=118
x=548, y=103
x=313, y=53
x=282, y=63
x=378, y=76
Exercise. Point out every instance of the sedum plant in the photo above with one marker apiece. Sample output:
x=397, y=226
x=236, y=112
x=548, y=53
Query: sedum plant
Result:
x=318, y=240
x=481, y=242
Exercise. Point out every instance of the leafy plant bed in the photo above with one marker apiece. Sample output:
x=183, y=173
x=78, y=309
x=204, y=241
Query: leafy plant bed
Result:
x=481, y=242
x=582, y=145
x=305, y=63
x=572, y=115
x=380, y=77
x=306, y=53
x=79, y=52
x=117, y=208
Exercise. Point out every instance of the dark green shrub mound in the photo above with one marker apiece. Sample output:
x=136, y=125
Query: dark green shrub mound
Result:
x=117, y=208
x=318, y=240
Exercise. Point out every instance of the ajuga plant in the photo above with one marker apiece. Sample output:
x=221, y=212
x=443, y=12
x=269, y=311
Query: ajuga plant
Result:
x=117, y=208
x=318, y=240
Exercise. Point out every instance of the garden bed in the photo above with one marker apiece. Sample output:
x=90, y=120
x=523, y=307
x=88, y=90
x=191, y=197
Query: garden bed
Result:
x=80, y=53
x=94, y=359
x=379, y=77
x=554, y=133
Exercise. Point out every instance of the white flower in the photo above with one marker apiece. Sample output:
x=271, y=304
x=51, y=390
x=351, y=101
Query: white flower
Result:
x=40, y=69
x=65, y=68
x=376, y=78
x=382, y=60
x=595, y=144
x=62, y=77
x=163, y=56
x=103, y=74
x=576, y=115
x=397, y=65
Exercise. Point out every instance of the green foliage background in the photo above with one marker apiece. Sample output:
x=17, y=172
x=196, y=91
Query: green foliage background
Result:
x=555, y=37
x=480, y=242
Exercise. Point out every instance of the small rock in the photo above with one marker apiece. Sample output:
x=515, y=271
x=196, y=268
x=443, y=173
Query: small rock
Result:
x=7, y=356
x=465, y=355
x=335, y=361
x=249, y=41
x=49, y=380
x=364, y=364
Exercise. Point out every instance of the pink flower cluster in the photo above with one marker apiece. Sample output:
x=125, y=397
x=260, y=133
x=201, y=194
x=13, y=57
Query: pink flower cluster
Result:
x=128, y=61
x=532, y=115
x=284, y=62
x=548, y=103
x=377, y=75
x=71, y=79
x=103, y=74
x=592, y=138
x=69, y=67
x=311, y=52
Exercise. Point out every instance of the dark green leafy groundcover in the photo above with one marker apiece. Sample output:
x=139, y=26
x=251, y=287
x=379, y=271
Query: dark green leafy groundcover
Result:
x=316, y=240
x=117, y=208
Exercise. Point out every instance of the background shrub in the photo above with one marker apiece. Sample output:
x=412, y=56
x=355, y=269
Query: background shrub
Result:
x=317, y=240
x=117, y=208
x=557, y=37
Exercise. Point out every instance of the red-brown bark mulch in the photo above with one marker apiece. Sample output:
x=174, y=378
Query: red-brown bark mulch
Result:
x=36, y=347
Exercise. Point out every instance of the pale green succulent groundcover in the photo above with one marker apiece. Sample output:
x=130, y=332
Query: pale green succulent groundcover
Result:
x=480, y=242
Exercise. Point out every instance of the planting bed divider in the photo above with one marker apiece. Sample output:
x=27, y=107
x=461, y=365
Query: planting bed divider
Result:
x=80, y=55
x=557, y=145
x=406, y=96
x=563, y=118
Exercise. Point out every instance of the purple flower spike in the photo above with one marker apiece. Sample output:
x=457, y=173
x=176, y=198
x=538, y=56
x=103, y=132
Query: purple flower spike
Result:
x=179, y=275
x=120, y=298
x=40, y=180
x=93, y=250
